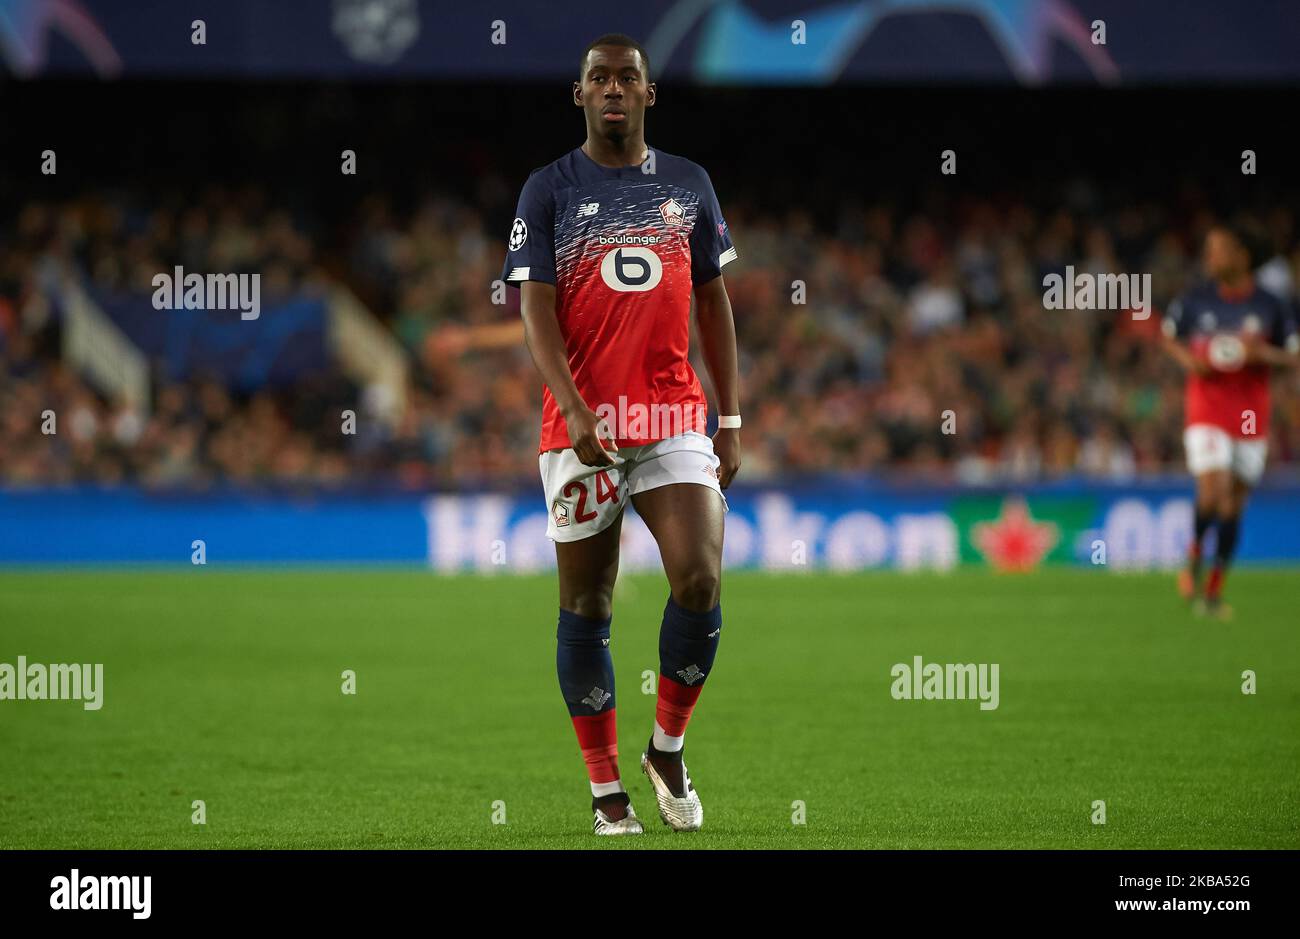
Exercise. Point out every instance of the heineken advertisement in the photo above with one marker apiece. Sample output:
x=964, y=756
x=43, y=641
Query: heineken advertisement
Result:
x=852, y=525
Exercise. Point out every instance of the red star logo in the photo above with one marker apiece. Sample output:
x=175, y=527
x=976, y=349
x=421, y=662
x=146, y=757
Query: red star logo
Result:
x=1014, y=541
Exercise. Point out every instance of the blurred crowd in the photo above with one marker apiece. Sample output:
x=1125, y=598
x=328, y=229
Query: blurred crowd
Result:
x=863, y=338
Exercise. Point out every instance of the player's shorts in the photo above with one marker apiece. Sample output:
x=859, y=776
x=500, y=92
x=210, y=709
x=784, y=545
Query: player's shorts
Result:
x=585, y=500
x=1213, y=448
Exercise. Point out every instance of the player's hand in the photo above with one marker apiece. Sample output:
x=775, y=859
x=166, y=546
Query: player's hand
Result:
x=1198, y=362
x=585, y=433
x=1255, y=354
x=726, y=444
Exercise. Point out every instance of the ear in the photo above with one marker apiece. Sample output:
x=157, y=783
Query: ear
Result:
x=651, y=91
x=577, y=93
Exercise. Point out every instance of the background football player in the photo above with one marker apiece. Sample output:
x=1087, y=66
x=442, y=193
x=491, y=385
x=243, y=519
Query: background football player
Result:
x=1228, y=334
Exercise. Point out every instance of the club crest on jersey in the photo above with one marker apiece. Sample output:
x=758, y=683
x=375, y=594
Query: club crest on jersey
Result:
x=561, y=515
x=673, y=213
x=518, y=234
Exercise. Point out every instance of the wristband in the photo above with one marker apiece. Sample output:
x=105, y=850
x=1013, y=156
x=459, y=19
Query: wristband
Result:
x=730, y=422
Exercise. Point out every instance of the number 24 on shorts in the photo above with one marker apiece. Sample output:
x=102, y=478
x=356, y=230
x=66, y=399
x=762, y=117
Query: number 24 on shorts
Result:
x=606, y=490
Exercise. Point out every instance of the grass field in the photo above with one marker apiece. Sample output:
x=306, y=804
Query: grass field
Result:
x=225, y=687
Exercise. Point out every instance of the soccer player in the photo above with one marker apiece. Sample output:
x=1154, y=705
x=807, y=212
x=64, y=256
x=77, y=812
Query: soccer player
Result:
x=1226, y=334
x=610, y=242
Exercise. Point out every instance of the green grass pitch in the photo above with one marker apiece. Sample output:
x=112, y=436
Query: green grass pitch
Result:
x=226, y=687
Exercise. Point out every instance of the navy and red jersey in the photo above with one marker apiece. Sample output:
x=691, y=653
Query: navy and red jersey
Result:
x=1201, y=318
x=624, y=247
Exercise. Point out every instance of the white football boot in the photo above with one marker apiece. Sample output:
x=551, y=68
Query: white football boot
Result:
x=679, y=808
x=604, y=825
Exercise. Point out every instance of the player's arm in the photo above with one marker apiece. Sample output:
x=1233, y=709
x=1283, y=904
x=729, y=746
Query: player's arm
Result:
x=1174, y=332
x=453, y=339
x=1265, y=353
x=551, y=357
x=1185, y=357
x=1282, y=348
x=718, y=343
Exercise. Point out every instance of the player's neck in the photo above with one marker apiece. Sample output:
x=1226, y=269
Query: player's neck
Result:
x=1236, y=288
x=627, y=151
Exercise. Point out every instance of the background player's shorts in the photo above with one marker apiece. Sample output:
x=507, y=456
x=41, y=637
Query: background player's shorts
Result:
x=585, y=500
x=1213, y=448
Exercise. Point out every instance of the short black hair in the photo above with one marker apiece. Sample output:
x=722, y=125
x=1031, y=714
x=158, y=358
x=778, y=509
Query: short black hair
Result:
x=614, y=39
x=1252, y=239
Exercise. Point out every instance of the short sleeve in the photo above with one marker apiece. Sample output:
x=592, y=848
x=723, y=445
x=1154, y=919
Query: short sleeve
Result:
x=530, y=247
x=711, y=247
x=1174, y=324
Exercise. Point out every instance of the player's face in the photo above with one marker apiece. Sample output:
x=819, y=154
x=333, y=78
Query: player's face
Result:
x=1223, y=255
x=613, y=91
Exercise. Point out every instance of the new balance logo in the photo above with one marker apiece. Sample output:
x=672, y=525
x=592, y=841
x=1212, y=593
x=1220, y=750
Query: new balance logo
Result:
x=691, y=673
x=596, y=698
x=588, y=209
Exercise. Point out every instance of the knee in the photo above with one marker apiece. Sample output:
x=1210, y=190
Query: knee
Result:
x=1227, y=505
x=593, y=603
x=698, y=590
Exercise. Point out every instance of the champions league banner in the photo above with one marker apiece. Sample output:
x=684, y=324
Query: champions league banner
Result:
x=811, y=527
x=814, y=42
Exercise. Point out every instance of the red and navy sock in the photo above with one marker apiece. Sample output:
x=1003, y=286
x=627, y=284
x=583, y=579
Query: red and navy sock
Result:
x=586, y=672
x=1203, y=520
x=688, y=642
x=1229, y=528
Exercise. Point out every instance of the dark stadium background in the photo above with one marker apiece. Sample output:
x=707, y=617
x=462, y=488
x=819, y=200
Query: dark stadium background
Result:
x=1141, y=165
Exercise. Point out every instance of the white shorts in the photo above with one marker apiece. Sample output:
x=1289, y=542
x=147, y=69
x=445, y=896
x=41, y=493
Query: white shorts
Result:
x=585, y=500
x=1213, y=448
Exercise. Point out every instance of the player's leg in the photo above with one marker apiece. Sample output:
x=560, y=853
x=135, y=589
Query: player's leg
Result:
x=1209, y=459
x=1248, y=460
x=1211, y=491
x=686, y=519
x=586, y=534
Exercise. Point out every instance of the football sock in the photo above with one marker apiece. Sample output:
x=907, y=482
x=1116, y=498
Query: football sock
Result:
x=1204, y=520
x=1224, y=550
x=688, y=643
x=586, y=672
x=615, y=805
x=1214, y=583
x=1227, y=547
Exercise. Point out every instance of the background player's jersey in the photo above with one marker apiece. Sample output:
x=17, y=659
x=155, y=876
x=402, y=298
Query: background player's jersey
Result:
x=624, y=248
x=1209, y=321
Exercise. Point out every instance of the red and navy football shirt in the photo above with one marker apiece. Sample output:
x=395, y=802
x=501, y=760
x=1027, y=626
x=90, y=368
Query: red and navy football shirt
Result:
x=624, y=246
x=1204, y=315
